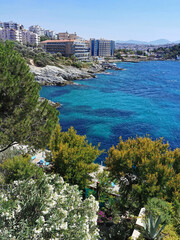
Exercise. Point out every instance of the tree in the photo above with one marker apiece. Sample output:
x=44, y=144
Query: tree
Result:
x=20, y=168
x=46, y=208
x=144, y=169
x=23, y=119
x=73, y=156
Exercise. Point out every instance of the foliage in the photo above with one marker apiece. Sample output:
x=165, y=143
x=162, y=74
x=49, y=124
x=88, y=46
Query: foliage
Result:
x=73, y=156
x=23, y=118
x=9, y=153
x=45, y=209
x=169, y=52
x=20, y=168
x=118, y=55
x=44, y=38
x=139, y=52
x=169, y=233
x=115, y=231
x=158, y=207
x=144, y=169
x=176, y=216
x=77, y=64
x=106, y=198
x=152, y=229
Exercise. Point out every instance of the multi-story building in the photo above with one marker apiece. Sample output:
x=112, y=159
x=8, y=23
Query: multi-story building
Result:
x=50, y=34
x=10, y=34
x=102, y=47
x=67, y=48
x=30, y=38
x=22, y=36
x=12, y=25
x=67, y=36
x=37, y=29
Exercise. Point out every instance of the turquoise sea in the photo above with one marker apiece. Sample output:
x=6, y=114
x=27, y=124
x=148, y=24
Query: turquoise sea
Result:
x=143, y=99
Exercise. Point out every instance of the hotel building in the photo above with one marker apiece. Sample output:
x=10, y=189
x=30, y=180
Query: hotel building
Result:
x=67, y=48
x=102, y=47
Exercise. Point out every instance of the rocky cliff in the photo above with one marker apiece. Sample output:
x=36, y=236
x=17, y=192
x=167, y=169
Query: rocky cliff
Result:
x=64, y=75
x=51, y=75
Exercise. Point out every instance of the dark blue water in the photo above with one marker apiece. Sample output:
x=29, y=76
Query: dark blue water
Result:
x=143, y=99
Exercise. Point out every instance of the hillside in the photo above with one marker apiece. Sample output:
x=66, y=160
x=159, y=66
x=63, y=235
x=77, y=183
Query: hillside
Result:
x=169, y=52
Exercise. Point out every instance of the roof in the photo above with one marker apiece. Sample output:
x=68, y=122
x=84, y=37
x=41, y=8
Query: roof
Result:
x=58, y=41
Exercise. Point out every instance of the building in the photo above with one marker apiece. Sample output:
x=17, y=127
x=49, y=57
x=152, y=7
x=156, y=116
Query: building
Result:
x=30, y=38
x=22, y=36
x=11, y=25
x=67, y=48
x=50, y=34
x=81, y=50
x=37, y=29
x=102, y=47
x=10, y=34
x=67, y=36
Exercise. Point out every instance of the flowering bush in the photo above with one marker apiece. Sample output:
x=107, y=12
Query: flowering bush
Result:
x=46, y=209
x=103, y=218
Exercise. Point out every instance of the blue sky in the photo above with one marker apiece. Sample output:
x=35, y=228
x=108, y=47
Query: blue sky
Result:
x=112, y=19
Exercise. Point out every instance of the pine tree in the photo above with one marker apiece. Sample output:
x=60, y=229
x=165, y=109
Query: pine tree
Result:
x=23, y=119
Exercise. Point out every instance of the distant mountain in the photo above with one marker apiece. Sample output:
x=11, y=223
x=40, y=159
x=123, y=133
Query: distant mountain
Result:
x=160, y=42
x=156, y=42
x=131, y=42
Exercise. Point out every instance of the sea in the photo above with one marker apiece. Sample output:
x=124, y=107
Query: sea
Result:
x=142, y=99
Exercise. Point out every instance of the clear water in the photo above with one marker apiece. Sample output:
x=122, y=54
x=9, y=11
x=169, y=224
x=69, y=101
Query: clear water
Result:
x=143, y=99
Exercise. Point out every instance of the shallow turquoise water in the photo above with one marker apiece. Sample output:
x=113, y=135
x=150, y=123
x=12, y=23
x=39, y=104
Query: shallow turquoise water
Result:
x=143, y=99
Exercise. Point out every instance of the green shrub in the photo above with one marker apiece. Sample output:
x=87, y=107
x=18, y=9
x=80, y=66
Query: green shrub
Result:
x=77, y=64
x=159, y=207
x=20, y=168
x=170, y=233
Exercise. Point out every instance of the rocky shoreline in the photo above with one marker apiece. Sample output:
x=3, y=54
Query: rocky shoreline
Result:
x=65, y=75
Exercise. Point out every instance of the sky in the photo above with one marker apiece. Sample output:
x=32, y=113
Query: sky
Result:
x=143, y=20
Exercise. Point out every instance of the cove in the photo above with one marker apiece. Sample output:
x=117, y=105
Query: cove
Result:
x=143, y=99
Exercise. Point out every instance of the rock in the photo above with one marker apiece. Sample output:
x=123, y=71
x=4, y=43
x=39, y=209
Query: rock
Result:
x=53, y=104
x=52, y=75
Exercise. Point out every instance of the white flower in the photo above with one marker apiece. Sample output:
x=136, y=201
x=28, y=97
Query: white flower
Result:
x=18, y=209
x=64, y=225
x=37, y=231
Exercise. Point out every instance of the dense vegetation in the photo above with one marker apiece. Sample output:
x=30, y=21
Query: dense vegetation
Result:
x=47, y=208
x=169, y=52
x=23, y=119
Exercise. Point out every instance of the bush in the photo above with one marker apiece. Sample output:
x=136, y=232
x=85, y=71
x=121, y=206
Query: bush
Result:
x=45, y=209
x=73, y=156
x=77, y=64
x=170, y=233
x=20, y=168
x=159, y=207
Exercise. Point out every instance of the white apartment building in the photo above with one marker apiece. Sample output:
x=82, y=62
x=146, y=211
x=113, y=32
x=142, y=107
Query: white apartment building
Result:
x=12, y=25
x=50, y=34
x=22, y=36
x=37, y=29
x=10, y=34
x=30, y=38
